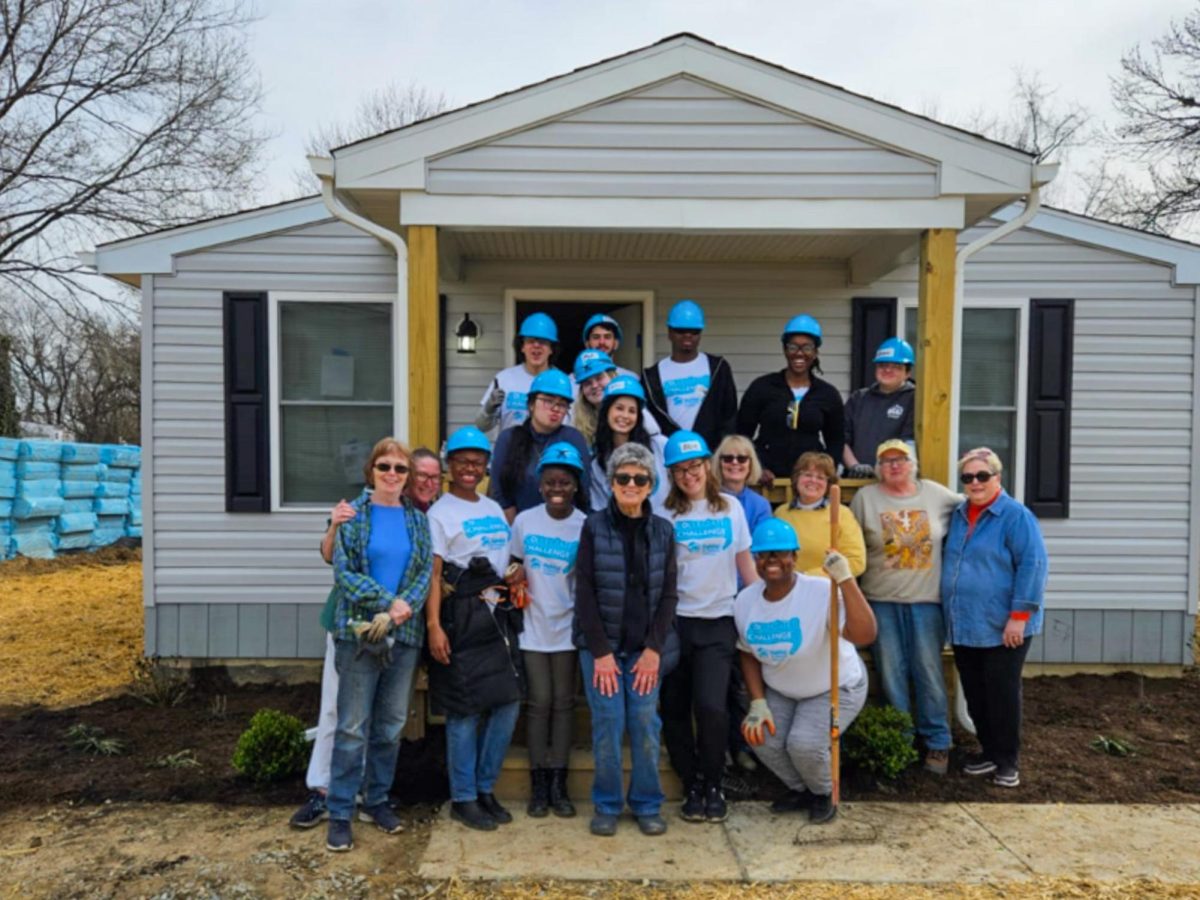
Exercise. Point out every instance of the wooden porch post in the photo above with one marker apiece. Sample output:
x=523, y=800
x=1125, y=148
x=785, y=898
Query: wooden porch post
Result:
x=424, y=341
x=935, y=340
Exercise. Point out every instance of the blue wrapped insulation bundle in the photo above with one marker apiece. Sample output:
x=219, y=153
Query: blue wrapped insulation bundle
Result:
x=73, y=523
x=75, y=490
x=86, y=472
x=9, y=448
x=112, y=489
x=133, y=531
x=35, y=544
x=5, y=510
x=50, y=487
x=37, y=508
x=114, y=474
x=135, y=514
x=36, y=470
x=81, y=453
x=79, y=505
x=111, y=506
x=8, y=479
x=47, y=451
x=125, y=456
x=81, y=540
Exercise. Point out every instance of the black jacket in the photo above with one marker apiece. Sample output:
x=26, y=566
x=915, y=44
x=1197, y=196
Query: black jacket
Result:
x=873, y=417
x=486, y=668
x=717, y=416
x=780, y=436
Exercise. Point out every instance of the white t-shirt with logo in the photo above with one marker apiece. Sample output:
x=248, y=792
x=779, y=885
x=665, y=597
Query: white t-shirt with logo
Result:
x=685, y=385
x=706, y=547
x=515, y=382
x=790, y=637
x=460, y=530
x=548, y=547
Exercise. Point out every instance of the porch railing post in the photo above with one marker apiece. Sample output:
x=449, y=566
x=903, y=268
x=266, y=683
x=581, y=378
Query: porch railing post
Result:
x=935, y=338
x=424, y=340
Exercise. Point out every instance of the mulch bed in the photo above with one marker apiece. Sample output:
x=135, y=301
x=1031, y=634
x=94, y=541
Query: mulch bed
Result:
x=1158, y=718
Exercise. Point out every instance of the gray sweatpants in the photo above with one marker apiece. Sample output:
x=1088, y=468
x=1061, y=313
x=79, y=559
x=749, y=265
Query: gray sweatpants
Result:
x=551, y=678
x=798, y=753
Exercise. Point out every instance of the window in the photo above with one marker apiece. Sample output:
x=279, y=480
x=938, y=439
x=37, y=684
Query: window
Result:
x=991, y=394
x=332, y=390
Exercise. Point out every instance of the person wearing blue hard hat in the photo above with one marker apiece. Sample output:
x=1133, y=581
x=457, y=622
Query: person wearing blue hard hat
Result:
x=622, y=419
x=594, y=369
x=791, y=412
x=504, y=401
x=883, y=410
x=783, y=638
x=603, y=332
x=545, y=542
x=514, y=483
x=712, y=548
x=691, y=390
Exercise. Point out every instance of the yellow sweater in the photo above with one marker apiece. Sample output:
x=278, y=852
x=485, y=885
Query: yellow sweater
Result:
x=812, y=527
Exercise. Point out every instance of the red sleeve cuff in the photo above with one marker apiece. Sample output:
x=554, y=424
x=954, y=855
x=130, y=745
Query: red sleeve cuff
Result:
x=1019, y=616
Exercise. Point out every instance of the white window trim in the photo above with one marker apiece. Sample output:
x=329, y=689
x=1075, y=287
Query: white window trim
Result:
x=908, y=305
x=645, y=298
x=274, y=298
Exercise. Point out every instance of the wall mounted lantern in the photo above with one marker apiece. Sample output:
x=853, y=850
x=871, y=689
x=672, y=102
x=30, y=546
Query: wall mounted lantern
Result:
x=468, y=334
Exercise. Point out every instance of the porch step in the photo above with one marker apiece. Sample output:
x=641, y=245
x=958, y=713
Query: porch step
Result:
x=514, y=776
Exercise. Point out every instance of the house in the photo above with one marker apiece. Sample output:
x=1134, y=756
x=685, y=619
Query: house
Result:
x=281, y=341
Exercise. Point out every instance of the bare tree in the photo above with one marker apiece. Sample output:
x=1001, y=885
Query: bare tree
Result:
x=9, y=423
x=117, y=116
x=383, y=109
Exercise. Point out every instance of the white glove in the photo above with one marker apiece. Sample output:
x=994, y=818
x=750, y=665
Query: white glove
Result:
x=758, y=717
x=837, y=566
x=376, y=629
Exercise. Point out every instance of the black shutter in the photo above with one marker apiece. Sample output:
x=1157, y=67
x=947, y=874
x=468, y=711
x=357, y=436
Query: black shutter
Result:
x=1048, y=453
x=247, y=417
x=874, y=321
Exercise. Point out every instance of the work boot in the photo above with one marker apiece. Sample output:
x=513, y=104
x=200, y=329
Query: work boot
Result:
x=471, y=814
x=822, y=809
x=539, y=793
x=493, y=808
x=559, y=801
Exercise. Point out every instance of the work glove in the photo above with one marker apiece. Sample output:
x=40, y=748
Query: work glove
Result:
x=860, y=471
x=375, y=630
x=756, y=719
x=837, y=567
x=381, y=651
x=494, y=401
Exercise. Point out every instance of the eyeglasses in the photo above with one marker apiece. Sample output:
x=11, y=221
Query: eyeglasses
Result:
x=398, y=468
x=687, y=468
x=812, y=476
x=897, y=461
x=740, y=458
x=556, y=405
x=792, y=349
x=422, y=476
x=981, y=477
x=623, y=479
x=458, y=462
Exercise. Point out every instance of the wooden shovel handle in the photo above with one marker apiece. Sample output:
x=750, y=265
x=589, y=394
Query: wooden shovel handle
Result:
x=835, y=731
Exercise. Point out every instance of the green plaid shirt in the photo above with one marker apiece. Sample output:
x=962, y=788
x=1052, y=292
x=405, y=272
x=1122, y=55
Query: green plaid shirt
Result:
x=359, y=596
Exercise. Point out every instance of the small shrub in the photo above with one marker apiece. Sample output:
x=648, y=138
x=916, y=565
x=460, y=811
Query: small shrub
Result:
x=272, y=748
x=880, y=742
x=1112, y=746
x=90, y=739
x=184, y=759
x=157, y=684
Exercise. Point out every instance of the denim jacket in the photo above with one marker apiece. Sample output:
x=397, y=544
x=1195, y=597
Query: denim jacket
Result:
x=1000, y=568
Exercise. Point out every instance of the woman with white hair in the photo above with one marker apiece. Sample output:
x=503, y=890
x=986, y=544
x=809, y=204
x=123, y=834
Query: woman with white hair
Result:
x=904, y=519
x=993, y=583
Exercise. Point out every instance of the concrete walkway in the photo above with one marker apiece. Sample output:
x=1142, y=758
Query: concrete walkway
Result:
x=929, y=843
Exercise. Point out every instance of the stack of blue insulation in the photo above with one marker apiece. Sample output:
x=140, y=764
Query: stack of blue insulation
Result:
x=113, y=494
x=8, y=490
x=38, y=500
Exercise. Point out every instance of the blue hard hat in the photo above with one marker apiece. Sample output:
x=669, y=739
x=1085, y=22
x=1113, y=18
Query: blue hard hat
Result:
x=895, y=350
x=803, y=325
x=685, y=445
x=552, y=382
x=540, y=326
x=591, y=363
x=601, y=319
x=468, y=438
x=686, y=314
x=774, y=534
x=561, y=454
x=625, y=386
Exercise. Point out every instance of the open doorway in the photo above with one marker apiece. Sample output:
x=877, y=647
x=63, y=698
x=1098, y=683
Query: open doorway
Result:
x=633, y=310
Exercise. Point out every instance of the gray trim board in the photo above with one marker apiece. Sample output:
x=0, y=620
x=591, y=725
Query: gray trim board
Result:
x=1194, y=518
x=148, y=456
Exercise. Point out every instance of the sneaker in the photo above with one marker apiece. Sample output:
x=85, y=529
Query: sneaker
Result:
x=652, y=826
x=822, y=809
x=978, y=764
x=693, y=804
x=312, y=813
x=492, y=807
x=471, y=814
x=715, y=809
x=339, y=838
x=937, y=762
x=603, y=825
x=1007, y=777
x=735, y=787
x=793, y=801
x=382, y=817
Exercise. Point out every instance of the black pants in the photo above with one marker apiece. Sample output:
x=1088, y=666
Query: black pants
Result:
x=549, y=712
x=991, y=680
x=698, y=688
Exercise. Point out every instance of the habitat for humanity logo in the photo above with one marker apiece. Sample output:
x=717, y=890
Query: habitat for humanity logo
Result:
x=707, y=536
x=492, y=529
x=517, y=401
x=763, y=636
x=546, y=553
x=682, y=387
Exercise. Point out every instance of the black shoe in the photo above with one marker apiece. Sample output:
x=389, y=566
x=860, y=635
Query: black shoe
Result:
x=472, y=815
x=339, y=838
x=652, y=826
x=382, y=817
x=693, y=804
x=978, y=764
x=715, y=809
x=312, y=813
x=735, y=787
x=559, y=801
x=1006, y=777
x=603, y=825
x=539, y=793
x=492, y=807
x=822, y=809
x=793, y=801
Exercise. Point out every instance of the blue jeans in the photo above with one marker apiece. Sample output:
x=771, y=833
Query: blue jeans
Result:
x=611, y=716
x=908, y=649
x=475, y=748
x=375, y=700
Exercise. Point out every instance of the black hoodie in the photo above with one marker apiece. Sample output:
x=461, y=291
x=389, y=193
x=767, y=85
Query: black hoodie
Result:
x=717, y=416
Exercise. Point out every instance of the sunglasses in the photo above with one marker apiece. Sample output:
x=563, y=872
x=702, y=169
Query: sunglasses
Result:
x=623, y=479
x=981, y=477
x=739, y=458
x=398, y=468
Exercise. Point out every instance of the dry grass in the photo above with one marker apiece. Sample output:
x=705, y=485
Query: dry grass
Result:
x=70, y=628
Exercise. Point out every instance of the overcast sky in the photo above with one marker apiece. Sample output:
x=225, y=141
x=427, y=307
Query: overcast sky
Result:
x=953, y=56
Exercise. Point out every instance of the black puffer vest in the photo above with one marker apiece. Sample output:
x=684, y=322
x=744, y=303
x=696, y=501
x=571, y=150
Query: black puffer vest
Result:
x=612, y=582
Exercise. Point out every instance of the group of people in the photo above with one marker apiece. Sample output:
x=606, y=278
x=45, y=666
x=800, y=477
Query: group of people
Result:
x=622, y=549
